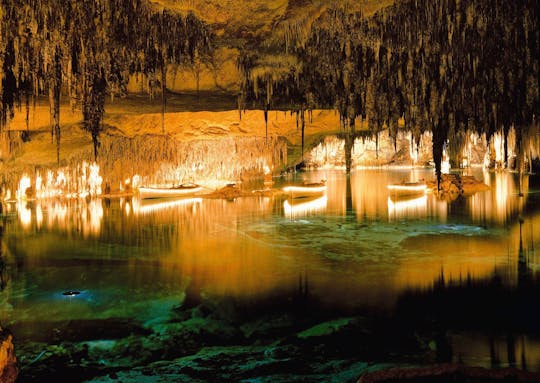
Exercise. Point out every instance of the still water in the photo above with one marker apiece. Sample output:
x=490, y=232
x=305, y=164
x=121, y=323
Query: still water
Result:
x=354, y=247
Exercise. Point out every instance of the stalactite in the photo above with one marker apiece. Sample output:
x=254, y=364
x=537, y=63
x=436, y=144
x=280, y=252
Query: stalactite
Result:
x=266, y=122
x=303, y=122
x=58, y=43
x=55, y=81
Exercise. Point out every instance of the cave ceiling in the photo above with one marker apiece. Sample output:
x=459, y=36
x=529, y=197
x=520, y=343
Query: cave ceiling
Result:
x=257, y=23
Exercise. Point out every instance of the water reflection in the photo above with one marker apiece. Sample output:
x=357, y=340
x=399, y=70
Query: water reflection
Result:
x=407, y=207
x=79, y=215
x=501, y=202
x=357, y=244
x=303, y=207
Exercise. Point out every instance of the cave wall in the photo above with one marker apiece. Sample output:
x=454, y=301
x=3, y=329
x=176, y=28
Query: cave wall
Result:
x=160, y=160
x=384, y=151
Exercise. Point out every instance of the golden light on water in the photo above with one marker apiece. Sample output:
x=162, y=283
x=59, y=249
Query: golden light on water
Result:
x=218, y=243
x=25, y=214
x=413, y=207
x=67, y=214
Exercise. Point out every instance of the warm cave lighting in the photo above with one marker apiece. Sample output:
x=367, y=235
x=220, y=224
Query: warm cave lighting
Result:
x=93, y=217
x=445, y=163
x=73, y=182
x=295, y=208
x=413, y=150
x=24, y=184
x=49, y=213
x=8, y=196
x=39, y=216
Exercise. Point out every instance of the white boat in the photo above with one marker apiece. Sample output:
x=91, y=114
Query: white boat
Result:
x=306, y=189
x=182, y=190
x=155, y=205
x=405, y=189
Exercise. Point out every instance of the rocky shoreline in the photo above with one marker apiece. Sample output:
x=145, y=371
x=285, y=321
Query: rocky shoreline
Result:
x=285, y=337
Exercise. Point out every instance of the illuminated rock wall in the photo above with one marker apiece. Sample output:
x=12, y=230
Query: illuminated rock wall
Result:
x=370, y=151
x=163, y=161
x=151, y=159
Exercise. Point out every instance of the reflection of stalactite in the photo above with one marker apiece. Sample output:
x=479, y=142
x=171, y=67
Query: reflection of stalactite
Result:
x=511, y=349
x=348, y=197
x=493, y=354
x=524, y=273
x=303, y=286
x=349, y=140
x=523, y=355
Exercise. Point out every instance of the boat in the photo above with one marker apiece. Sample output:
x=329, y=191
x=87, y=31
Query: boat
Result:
x=406, y=189
x=182, y=190
x=307, y=189
x=153, y=205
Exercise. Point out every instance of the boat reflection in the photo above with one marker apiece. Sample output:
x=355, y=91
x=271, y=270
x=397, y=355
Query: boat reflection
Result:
x=153, y=205
x=407, y=207
x=294, y=208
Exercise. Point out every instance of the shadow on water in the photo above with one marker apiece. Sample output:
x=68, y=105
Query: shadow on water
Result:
x=211, y=337
x=493, y=322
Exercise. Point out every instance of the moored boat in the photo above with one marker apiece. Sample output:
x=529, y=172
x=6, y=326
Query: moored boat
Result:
x=307, y=189
x=182, y=190
x=407, y=189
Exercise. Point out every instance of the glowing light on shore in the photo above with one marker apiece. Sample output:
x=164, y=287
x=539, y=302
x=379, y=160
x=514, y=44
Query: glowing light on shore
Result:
x=413, y=152
x=24, y=184
x=82, y=181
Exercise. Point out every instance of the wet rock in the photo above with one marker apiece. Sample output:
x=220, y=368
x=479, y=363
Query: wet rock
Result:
x=326, y=328
x=267, y=326
x=8, y=361
x=454, y=185
x=230, y=192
